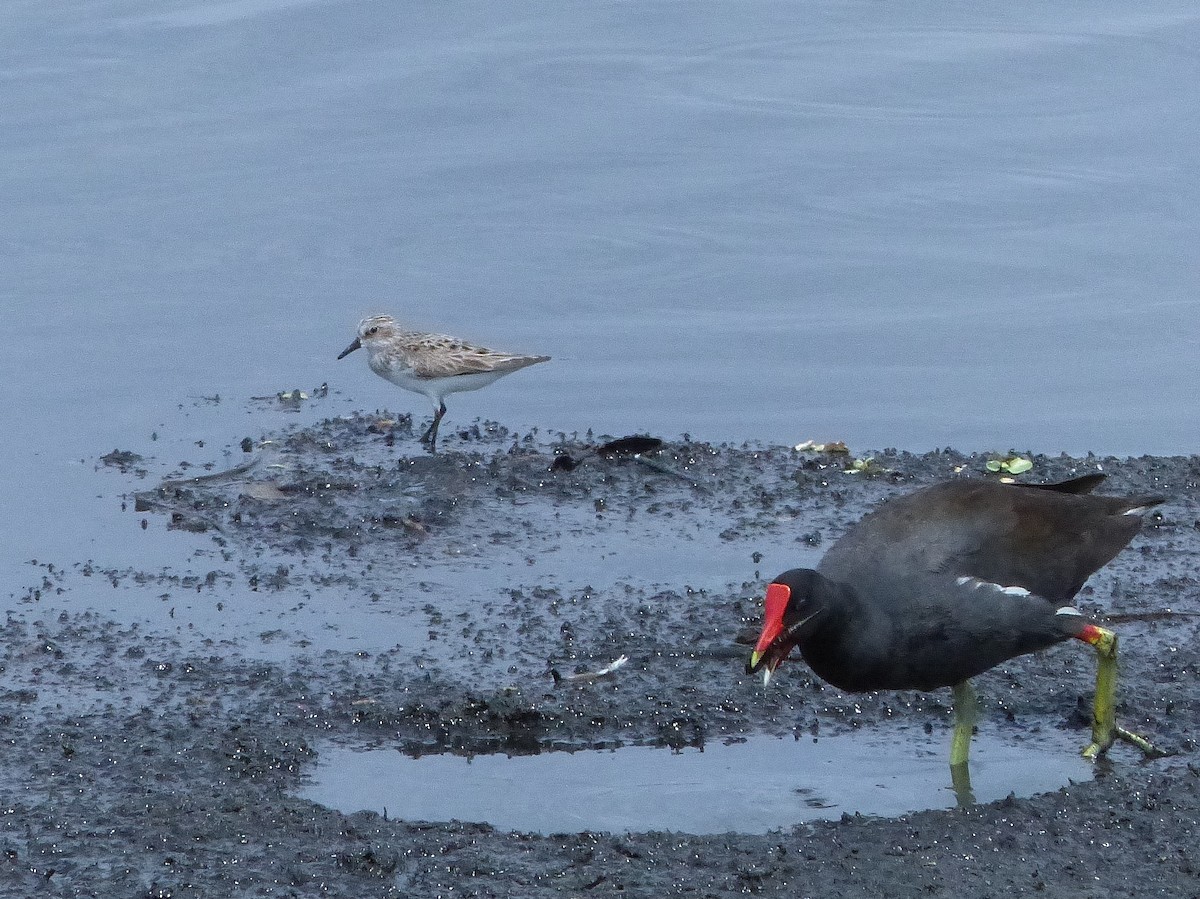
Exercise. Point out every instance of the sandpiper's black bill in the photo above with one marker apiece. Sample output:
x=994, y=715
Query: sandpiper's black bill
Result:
x=350, y=349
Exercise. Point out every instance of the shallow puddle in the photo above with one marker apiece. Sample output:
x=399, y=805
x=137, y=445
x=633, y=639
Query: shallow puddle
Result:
x=750, y=787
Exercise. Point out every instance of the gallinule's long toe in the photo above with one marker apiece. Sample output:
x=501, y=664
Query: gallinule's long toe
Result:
x=939, y=585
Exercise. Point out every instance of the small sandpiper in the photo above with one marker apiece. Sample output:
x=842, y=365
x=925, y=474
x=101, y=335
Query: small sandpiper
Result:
x=431, y=364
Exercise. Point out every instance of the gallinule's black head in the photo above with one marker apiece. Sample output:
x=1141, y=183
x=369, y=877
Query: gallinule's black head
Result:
x=942, y=584
x=795, y=603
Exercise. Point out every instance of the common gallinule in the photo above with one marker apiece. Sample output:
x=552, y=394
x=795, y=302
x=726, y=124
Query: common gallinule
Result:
x=431, y=364
x=944, y=583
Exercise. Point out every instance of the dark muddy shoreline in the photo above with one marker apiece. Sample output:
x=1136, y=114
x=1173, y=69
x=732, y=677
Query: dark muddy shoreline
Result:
x=142, y=764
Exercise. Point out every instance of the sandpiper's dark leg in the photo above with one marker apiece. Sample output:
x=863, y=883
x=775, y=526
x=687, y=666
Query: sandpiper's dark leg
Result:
x=430, y=435
x=1104, y=710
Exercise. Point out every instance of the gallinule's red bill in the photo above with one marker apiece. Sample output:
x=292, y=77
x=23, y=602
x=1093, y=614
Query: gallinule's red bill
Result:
x=942, y=584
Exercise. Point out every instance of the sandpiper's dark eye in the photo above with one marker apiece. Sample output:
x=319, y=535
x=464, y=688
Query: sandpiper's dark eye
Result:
x=373, y=330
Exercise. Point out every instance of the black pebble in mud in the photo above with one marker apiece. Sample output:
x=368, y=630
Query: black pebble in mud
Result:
x=623, y=446
x=940, y=585
x=629, y=446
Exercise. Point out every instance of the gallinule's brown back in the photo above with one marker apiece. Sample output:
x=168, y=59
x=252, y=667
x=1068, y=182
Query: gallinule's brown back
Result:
x=939, y=585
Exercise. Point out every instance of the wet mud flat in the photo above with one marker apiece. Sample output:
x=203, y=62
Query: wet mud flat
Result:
x=140, y=763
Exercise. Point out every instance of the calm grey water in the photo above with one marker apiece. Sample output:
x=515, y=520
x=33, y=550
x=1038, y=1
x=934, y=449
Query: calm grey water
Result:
x=750, y=787
x=904, y=225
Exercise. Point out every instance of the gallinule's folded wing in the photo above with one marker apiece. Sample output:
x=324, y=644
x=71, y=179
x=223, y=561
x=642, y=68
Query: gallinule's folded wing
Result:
x=1047, y=540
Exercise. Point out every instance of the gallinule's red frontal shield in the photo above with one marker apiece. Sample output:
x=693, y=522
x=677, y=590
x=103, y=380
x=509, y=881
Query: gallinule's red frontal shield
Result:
x=944, y=583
